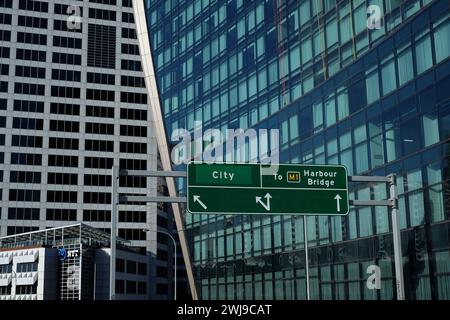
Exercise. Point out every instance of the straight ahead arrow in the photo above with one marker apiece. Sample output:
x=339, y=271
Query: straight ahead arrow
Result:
x=338, y=202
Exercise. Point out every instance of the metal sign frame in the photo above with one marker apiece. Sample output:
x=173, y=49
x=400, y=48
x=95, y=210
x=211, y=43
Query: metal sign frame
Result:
x=271, y=188
x=391, y=202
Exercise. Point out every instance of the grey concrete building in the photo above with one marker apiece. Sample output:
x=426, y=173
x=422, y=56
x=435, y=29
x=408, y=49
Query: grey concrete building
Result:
x=73, y=104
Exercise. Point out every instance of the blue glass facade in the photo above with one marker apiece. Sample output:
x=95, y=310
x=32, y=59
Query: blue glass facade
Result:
x=376, y=101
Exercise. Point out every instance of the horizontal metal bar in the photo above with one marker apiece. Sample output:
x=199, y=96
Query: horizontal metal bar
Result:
x=152, y=199
x=368, y=179
x=141, y=173
x=370, y=203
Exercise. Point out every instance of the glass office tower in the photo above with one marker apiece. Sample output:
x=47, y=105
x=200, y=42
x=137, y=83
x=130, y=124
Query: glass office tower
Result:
x=376, y=100
x=73, y=103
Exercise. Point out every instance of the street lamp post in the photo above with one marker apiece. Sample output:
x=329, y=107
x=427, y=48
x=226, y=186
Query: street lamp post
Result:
x=175, y=260
x=174, y=264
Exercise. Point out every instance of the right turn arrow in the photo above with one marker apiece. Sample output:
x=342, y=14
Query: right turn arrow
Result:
x=338, y=202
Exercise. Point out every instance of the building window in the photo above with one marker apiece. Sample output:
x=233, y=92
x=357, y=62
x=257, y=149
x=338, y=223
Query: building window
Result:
x=27, y=267
x=131, y=287
x=61, y=214
x=26, y=159
x=430, y=129
x=372, y=85
x=131, y=267
x=120, y=286
x=101, y=45
x=142, y=268
x=142, y=287
x=161, y=288
x=26, y=289
x=98, y=163
x=25, y=177
x=62, y=161
x=405, y=65
x=24, y=195
x=95, y=13
x=62, y=196
x=388, y=77
x=424, y=58
x=99, y=112
x=23, y=213
x=120, y=265
x=441, y=45
x=97, y=215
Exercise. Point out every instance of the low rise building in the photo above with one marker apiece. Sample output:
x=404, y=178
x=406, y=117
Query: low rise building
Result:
x=69, y=263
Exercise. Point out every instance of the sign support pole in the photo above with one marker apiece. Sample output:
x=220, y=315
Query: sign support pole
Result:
x=114, y=202
x=305, y=234
x=400, y=286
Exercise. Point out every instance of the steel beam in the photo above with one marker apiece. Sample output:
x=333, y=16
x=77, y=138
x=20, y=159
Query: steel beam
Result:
x=139, y=173
x=373, y=203
x=368, y=179
x=153, y=199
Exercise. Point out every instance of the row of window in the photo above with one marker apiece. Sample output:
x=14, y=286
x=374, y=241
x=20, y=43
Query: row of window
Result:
x=32, y=38
x=132, y=267
x=65, y=108
x=33, y=5
x=72, y=161
x=74, y=109
x=25, y=176
x=107, y=2
x=73, y=126
x=132, y=65
x=27, y=267
x=409, y=62
x=19, y=229
x=66, y=75
x=63, y=9
x=102, y=14
x=61, y=214
x=23, y=213
x=96, y=215
x=65, y=42
x=30, y=72
x=132, y=234
x=339, y=281
x=56, y=214
x=132, y=287
x=29, y=88
x=133, y=216
x=33, y=22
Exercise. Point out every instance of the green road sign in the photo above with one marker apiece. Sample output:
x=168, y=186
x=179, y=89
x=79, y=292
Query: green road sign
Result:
x=256, y=189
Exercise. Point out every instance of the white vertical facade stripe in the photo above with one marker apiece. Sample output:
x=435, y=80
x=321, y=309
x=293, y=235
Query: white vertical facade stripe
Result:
x=155, y=111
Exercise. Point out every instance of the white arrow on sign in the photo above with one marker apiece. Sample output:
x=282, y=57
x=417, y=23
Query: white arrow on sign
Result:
x=197, y=199
x=338, y=202
x=266, y=206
